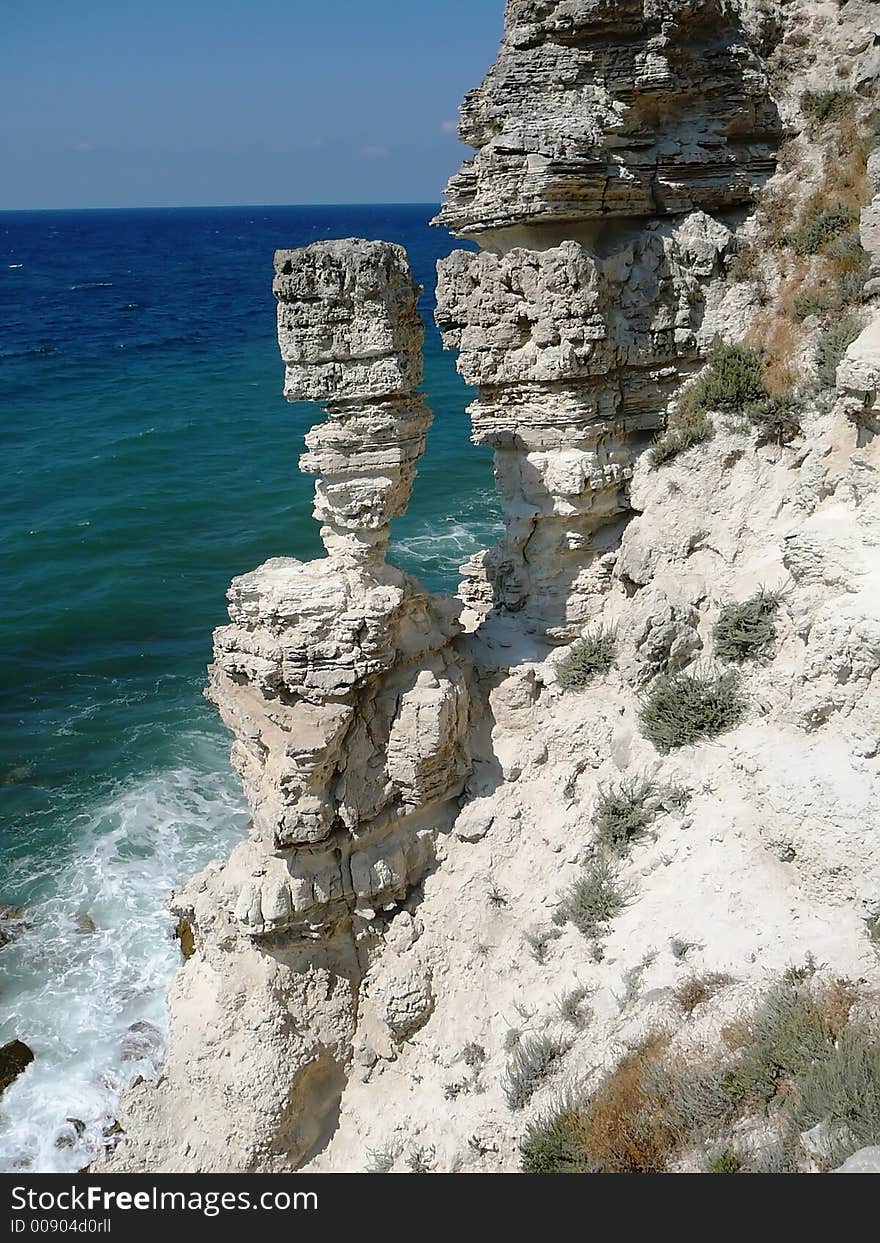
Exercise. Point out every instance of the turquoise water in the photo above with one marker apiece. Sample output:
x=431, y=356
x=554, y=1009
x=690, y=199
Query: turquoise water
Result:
x=149, y=458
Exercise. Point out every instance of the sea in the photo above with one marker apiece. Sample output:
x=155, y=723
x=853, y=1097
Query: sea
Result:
x=148, y=457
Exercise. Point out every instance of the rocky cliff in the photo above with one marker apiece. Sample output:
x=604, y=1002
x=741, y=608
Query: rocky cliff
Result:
x=597, y=831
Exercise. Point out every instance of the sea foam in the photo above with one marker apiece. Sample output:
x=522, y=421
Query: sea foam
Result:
x=74, y=995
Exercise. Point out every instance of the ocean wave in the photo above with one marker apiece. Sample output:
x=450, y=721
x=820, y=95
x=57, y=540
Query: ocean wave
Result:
x=29, y=351
x=90, y=1003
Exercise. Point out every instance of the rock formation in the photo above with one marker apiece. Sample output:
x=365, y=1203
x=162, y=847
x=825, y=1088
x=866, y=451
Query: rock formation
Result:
x=416, y=908
x=350, y=714
x=348, y=711
x=615, y=127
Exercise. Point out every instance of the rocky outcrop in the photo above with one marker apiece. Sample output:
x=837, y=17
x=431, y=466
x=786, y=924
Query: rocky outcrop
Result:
x=15, y=1057
x=575, y=355
x=618, y=108
x=350, y=713
x=616, y=127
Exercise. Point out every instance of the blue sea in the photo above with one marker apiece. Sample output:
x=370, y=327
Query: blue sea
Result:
x=148, y=458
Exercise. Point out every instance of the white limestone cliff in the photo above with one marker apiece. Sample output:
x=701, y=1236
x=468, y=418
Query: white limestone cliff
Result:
x=425, y=795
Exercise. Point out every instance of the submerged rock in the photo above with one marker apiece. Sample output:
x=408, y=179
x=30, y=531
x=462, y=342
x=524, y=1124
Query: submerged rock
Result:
x=142, y=1040
x=12, y=923
x=15, y=1057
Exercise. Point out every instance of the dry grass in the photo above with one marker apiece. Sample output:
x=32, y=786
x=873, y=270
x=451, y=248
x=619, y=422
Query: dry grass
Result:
x=775, y=336
x=797, y=1060
x=626, y=1128
x=697, y=989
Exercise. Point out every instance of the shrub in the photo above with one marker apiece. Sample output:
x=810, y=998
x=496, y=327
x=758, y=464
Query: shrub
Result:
x=538, y=942
x=382, y=1161
x=699, y=988
x=623, y=813
x=831, y=346
x=815, y=302
x=851, y=286
x=732, y=378
x=534, y=1059
x=473, y=1055
x=592, y=654
x=683, y=707
x=819, y=228
x=700, y=1097
x=746, y=630
x=825, y=106
x=799, y=1054
x=847, y=253
x=572, y=1008
x=422, y=1160
x=726, y=1161
x=793, y=1029
x=685, y=429
x=555, y=1144
x=843, y=1092
x=593, y=900
x=777, y=418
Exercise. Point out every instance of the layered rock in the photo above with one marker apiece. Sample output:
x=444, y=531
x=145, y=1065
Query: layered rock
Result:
x=350, y=712
x=611, y=108
x=649, y=115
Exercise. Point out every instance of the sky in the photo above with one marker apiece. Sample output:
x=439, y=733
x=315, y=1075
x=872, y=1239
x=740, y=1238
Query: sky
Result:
x=129, y=103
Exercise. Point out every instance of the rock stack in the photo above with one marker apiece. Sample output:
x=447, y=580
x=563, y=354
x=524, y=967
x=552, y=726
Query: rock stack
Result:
x=348, y=710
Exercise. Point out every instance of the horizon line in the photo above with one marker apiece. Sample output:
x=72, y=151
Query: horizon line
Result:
x=226, y=206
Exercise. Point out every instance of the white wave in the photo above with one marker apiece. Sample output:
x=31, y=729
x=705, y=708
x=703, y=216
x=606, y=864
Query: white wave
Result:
x=445, y=545
x=73, y=995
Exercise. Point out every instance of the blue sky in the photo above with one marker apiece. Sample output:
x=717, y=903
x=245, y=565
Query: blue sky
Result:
x=118, y=103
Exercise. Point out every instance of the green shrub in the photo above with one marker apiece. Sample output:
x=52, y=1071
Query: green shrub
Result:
x=623, y=813
x=848, y=253
x=871, y=138
x=572, y=1008
x=726, y=1161
x=534, y=1059
x=851, y=286
x=825, y=106
x=789, y=1033
x=593, y=900
x=685, y=429
x=538, y=941
x=820, y=228
x=592, y=654
x=683, y=707
x=733, y=376
x=746, y=630
x=842, y=1091
x=831, y=346
x=776, y=418
x=554, y=1144
x=699, y=1097
x=798, y=1061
